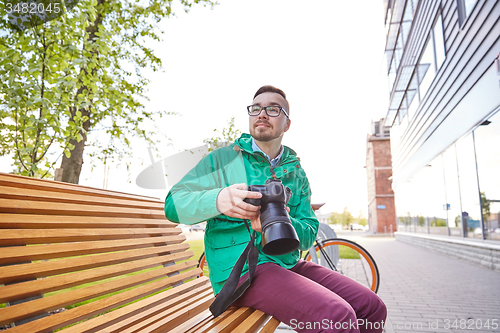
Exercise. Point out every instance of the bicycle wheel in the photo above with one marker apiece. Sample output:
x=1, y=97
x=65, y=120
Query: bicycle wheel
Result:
x=349, y=259
x=203, y=265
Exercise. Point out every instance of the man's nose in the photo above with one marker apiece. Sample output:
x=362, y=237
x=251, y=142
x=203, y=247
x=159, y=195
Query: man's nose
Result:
x=263, y=114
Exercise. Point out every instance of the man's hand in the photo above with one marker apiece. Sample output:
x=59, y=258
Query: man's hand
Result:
x=230, y=202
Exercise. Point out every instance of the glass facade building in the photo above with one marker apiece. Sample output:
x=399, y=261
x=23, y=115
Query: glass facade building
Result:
x=443, y=68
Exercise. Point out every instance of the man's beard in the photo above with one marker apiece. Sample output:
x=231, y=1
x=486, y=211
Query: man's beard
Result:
x=264, y=136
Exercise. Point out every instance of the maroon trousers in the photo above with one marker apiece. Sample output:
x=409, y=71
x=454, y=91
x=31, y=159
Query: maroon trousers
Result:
x=312, y=298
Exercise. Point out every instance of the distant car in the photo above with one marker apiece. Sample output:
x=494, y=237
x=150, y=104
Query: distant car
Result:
x=497, y=230
x=356, y=226
x=198, y=227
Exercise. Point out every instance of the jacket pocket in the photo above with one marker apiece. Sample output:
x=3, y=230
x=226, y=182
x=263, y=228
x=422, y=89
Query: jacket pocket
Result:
x=223, y=249
x=293, y=204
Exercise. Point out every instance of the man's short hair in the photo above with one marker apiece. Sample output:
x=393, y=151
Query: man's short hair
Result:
x=272, y=89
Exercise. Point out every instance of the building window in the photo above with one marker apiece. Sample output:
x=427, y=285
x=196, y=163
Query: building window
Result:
x=395, y=55
x=486, y=143
x=469, y=190
x=439, y=48
x=407, y=19
x=426, y=69
x=412, y=97
x=432, y=58
x=464, y=7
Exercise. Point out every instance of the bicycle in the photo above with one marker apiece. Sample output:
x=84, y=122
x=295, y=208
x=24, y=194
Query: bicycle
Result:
x=341, y=255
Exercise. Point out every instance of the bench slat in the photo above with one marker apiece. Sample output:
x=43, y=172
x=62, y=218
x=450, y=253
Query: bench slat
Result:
x=232, y=321
x=38, y=306
x=53, y=208
x=126, y=316
x=208, y=323
x=30, y=221
x=35, y=270
x=197, y=321
x=149, y=319
x=271, y=326
x=254, y=322
x=65, y=318
x=36, y=287
x=11, y=237
x=22, y=254
x=185, y=312
x=8, y=192
x=34, y=183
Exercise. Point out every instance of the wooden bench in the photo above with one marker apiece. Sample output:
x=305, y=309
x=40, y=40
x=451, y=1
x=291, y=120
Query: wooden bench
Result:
x=63, y=244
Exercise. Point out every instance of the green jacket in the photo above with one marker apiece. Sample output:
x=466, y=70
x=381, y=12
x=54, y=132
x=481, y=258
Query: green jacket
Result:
x=193, y=200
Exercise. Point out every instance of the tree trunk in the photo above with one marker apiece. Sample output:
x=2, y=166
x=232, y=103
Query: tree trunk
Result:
x=72, y=166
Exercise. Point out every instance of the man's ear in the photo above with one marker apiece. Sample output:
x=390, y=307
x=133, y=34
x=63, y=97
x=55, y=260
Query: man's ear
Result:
x=288, y=122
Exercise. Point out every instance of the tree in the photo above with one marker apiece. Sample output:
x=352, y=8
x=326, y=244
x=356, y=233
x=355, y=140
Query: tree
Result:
x=361, y=219
x=229, y=135
x=486, y=206
x=61, y=79
x=345, y=218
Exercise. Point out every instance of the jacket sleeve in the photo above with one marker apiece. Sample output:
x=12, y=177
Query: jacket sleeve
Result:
x=304, y=220
x=194, y=198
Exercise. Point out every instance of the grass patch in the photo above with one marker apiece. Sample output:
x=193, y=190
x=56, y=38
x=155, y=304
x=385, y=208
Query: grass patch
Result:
x=348, y=253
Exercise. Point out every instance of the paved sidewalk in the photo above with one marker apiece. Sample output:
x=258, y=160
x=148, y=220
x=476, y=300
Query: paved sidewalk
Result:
x=431, y=292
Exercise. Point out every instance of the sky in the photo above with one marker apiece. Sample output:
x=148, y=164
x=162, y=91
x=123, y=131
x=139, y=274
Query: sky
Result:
x=327, y=56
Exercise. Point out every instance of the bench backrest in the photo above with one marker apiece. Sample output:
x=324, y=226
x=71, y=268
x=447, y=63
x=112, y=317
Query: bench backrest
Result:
x=71, y=244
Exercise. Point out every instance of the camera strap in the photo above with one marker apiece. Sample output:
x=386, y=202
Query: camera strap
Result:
x=230, y=292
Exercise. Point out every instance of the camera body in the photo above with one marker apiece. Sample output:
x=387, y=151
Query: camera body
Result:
x=278, y=235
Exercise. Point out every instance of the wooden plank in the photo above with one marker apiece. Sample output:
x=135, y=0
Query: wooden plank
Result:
x=171, y=311
x=31, y=221
x=198, y=320
x=108, y=320
x=37, y=287
x=22, y=254
x=253, y=323
x=8, y=192
x=187, y=312
x=11, y=237
x=208, y=323
x=230, y=322
x=25, y=272
x=29, y=309
x=34, y=183
x=88, y=310
x=270, y=326
x=52, y=208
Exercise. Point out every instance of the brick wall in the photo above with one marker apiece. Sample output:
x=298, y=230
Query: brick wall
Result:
x=380, y=193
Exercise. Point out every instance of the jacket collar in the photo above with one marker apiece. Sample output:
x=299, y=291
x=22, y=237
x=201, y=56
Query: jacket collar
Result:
x=245, y=144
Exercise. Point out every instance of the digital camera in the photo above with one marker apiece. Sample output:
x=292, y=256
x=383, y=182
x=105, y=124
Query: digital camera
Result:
x=278, y=235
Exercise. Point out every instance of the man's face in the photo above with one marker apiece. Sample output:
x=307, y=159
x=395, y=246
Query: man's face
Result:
x=264, y=128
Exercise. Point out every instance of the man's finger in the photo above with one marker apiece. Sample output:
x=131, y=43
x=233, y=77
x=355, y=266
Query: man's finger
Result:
x=256, y=225
x=244, y=214
x=253, y=195
x=248, y=207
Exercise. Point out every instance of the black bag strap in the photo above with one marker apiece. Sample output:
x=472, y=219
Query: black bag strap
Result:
x=230, y=292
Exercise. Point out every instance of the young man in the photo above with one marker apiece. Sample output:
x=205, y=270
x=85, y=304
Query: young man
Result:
x=308, y=297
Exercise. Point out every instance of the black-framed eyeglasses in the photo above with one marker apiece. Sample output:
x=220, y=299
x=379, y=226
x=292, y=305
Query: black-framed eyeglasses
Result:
x=271, y=111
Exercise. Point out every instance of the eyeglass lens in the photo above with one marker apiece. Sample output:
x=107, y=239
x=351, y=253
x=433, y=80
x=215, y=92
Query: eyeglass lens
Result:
x=272, y=111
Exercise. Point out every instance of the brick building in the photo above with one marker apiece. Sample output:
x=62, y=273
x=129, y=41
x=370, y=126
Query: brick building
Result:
x=381, y=209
